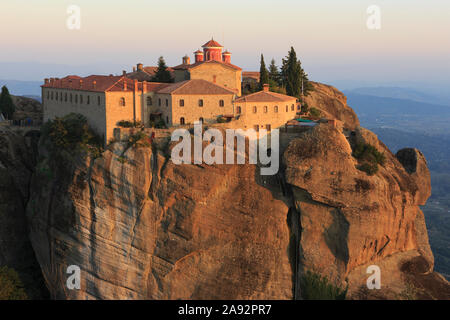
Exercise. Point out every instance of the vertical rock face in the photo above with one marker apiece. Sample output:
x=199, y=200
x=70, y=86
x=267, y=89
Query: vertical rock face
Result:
x=16, y=166
x=145, y=228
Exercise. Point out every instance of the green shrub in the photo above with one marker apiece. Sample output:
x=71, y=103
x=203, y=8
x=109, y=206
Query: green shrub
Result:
x=368, y=157
x=72, y=134
x=139, y=139
x=11, y=287
x=367, y=152
x=315, y=287
x=221, y=119
x=315, y=112
x=129, y=124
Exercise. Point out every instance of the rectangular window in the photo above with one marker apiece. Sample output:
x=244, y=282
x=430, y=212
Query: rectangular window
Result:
x=200, y=103
x=221, y=103
x=181, y=102
x=167, y=102
x=255, y=109
x=159, y=102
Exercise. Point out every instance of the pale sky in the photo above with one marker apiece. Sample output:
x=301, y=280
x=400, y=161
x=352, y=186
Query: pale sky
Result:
x=331, y=37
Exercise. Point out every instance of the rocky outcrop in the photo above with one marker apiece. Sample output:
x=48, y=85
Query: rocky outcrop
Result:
x=332, y=103
x=27, y=108
x=16, y=167
x=141, y=227
x=350, y=219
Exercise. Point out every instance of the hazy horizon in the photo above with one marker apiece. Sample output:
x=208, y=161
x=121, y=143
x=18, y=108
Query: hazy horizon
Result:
x=331, y=39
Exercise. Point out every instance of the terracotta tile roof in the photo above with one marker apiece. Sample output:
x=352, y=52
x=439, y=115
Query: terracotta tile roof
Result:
x=251, y=74
x=146, y=74
x=196, y=64
x=196, y=86
x=155, y=86
x=211, y=43
x=94, y=83
x=265, y=96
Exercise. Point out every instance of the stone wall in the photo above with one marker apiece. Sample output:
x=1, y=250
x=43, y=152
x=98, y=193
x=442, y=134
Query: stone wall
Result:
x=225, y=76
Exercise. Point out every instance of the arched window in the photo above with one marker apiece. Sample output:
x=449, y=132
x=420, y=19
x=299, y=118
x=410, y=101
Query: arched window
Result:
x=98, y=100
x=265, y=109
x=200, y=103
x=159, y=102
x=167, y=102
x=255, y=109
x=65, y=97
x=81, y=98
x=122, y=102
x=287, y=108
x=221, y=103
x=149, y=101
x=88, y=98
x=181, y=102
x=238, y=110
x=292, y=108
x=275, y=109
x=181, y=120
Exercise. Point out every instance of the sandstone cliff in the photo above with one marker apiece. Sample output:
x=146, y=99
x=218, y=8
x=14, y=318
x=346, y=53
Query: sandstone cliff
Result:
x=140, y=227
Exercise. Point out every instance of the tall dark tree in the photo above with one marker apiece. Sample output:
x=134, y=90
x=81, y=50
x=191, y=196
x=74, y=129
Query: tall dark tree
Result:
x=7, y=106
x=274, y=74
x=263, y=73
x=293, y=76
x=162, y=74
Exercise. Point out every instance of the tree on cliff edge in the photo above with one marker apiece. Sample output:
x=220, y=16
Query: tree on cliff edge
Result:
x=263, y=74
x=6, y=103
x=293, y=76
x=162, y=74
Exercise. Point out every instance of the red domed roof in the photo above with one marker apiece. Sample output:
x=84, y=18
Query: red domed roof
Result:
x=211, y=44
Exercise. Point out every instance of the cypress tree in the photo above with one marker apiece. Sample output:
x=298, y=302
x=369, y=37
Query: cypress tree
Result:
x=274, y=74
x=293, y=75
x=263, y=74
x=6, y=103
x=162, y=74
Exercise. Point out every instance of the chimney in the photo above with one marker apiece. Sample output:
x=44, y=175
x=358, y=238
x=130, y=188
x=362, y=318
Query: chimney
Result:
x=81, y=84
x=124, y=73
x=144, y=86
x=186, y=60
x=94, y=84
x=140, y=67
x=198, y=56
x=46, y=81
x=266, y=87
x=226, y=57
x=134, y=69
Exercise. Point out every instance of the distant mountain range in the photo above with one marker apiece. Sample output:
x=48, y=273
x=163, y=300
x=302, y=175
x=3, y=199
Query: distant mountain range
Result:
x=22, y=88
